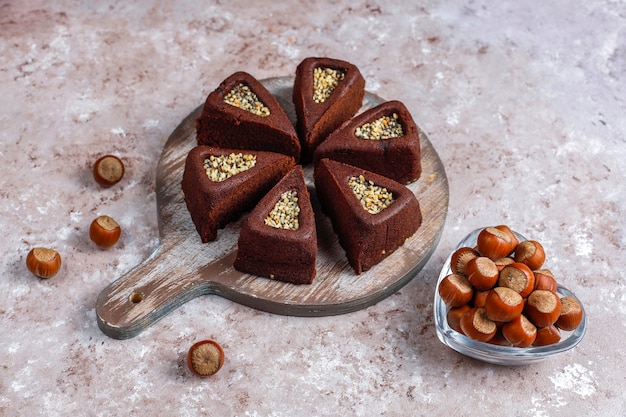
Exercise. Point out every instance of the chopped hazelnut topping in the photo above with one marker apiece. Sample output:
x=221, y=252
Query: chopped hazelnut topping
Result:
x=373, y=198
x=221, y=167
x=285, y=213
x=386, y=127
x=325, y=80
x=241, y=96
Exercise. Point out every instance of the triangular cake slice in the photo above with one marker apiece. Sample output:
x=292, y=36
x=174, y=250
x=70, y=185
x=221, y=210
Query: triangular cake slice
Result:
x=372, y=215
x=326, y=93
x=220, y=184
x=242, y=114
x=384, y=140
x=278, y=239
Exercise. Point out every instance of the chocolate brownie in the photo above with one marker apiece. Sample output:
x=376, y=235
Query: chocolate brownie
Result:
x=242, y=114
x=384, y=140
x=326, y=92
x=278, y=239
x=220, y=184
x=372, y=215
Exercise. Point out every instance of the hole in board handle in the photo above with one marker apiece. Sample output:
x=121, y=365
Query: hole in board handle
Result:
x=136, y=298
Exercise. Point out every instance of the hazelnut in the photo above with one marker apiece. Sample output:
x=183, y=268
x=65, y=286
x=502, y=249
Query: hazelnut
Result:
x=520, y=331
x=571, y=314
x=479, y=298
x=482, y=272
x=547, y=336
x=454, y=317
x=476, y=325
x=455, y=290
x=531, y=253
x=108, y=170
x=503, y=304
x=459, y=259
x=518, y=277
x=543, y=307
x=104, y=232
x=205, y=358
x=506, y=229
x=544, y=280
x=43, y=262
x=495, y=243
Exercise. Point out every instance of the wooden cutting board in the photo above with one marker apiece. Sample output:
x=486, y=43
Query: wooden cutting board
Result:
x=182, y=268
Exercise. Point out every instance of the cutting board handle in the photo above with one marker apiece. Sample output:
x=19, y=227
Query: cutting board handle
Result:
x=151, y=290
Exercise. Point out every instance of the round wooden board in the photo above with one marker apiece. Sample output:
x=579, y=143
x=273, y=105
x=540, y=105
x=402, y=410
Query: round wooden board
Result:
x=182, y=268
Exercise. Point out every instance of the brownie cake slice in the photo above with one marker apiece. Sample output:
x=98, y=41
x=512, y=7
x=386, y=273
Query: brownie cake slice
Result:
x=371, y=214
x=384, y=140
x=326, y=92
x=278, y=239
x=220, y=184
x=242, y=114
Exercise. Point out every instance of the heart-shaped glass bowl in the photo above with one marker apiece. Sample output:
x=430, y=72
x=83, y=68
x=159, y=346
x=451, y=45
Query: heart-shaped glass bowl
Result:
x=500, y=355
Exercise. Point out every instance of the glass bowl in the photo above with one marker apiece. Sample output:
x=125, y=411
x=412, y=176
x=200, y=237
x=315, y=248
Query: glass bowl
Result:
x=500, y=355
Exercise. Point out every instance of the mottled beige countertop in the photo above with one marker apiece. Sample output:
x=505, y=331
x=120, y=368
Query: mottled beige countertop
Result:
x=523, y=101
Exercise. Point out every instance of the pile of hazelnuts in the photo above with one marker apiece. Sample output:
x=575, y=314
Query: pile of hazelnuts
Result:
x=499, y=293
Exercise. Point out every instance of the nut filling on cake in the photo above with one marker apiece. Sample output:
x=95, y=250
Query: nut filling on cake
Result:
x=386, y=127
x=241, y=96
x=373, y=198
x=325, y=80
x=221, y=167
x=285, y=213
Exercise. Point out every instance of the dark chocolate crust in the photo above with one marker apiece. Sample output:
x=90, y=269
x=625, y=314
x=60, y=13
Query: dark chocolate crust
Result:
x=396, y=158
x=226, y=126
x=285, y=255
x=211, y=204
x=366, y=238
x=317, y=120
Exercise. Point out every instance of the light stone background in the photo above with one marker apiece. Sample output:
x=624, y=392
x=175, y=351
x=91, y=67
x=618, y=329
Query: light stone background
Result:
x=523, y=100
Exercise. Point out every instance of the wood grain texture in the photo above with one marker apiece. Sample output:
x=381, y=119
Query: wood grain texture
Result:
x=182, y=268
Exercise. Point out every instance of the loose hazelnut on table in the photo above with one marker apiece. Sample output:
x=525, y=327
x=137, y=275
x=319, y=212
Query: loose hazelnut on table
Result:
x=108, y=170
x=43, y=262
x=104, y=232
x=205, y=358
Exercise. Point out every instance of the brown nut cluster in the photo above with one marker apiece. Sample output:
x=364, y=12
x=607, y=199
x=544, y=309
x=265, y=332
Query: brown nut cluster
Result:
x=498, y=293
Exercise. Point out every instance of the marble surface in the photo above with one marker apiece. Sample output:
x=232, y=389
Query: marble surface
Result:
x=524, y=102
